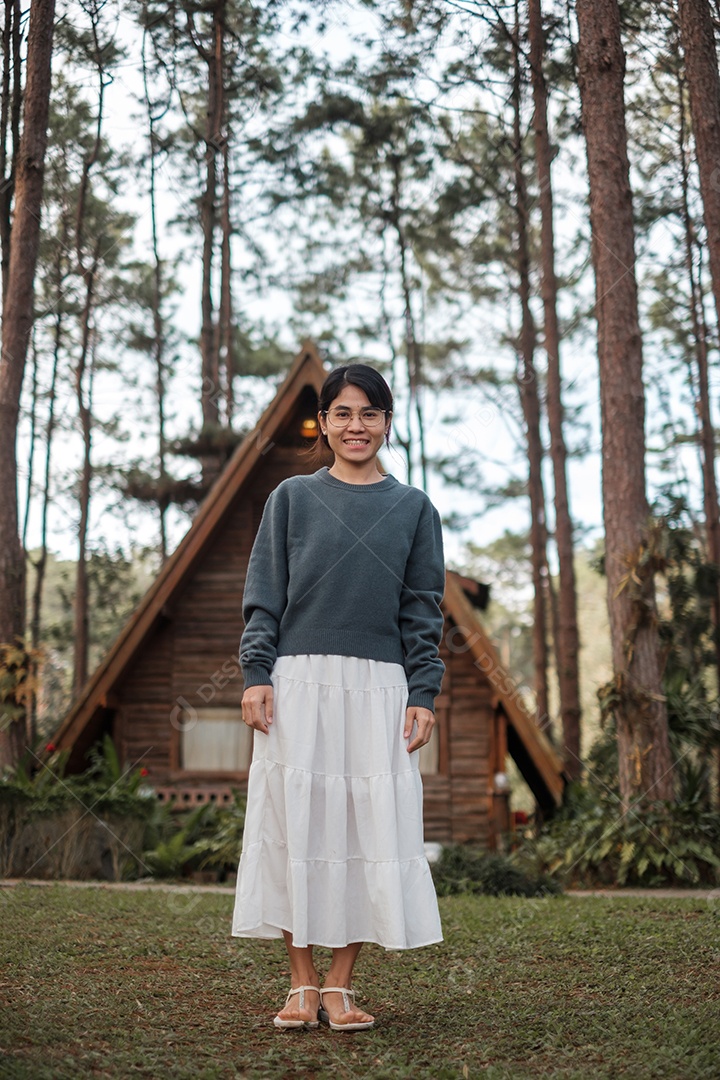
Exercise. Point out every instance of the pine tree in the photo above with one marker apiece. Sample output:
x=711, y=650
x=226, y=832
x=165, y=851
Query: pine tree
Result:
x=17, y=323
x=9, y=126
x=635, y=698
x=566, y=637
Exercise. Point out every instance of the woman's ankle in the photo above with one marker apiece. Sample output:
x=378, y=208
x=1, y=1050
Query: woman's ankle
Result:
x=305, y=979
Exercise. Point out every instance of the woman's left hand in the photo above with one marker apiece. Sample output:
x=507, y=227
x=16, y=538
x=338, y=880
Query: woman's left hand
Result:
x=425, y=720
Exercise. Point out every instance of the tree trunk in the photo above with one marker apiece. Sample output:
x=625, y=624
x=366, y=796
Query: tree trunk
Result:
x=703, y=79
x=158, y=320
x=84, y=404
x=57, y=301
x=644, y=759
x=530, y=401
x=706, y=437
x=88, y=272
x=32, y=440
x=9, y=124
x=208, y=222
x=566, y=640
x=225, y=314
x=402, y=439
x=40, y=564
x=413, y=349
x=702, y=405
x=16, y=330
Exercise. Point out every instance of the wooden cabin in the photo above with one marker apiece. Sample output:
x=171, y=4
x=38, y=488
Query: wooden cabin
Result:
x=169, y=689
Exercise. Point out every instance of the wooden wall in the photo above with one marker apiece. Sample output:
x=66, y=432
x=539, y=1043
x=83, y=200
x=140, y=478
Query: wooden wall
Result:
x=458, y=798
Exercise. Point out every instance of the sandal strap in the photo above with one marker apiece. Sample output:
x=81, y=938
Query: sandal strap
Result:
x=346, y=992
x=301, y=991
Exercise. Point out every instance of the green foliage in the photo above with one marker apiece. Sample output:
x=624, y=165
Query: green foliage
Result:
x=91, y=825
x=181, y=851
x=592, y=843
x=223, y=846
x=39, y=783
x=462, y=869
x=257, y=352
x=107, y=785
x=115, y=582
x=44, y=787
x=686, y=623
x=208, y=838
x=105, y=765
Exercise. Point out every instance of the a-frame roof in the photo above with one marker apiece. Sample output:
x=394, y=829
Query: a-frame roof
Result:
x=539, y=764
x=306, y=370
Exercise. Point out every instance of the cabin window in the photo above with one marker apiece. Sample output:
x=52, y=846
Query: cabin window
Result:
x=216, y=740
x=430, y=754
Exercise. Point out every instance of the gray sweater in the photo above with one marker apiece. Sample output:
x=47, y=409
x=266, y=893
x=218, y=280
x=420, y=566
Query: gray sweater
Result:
x=349, y=570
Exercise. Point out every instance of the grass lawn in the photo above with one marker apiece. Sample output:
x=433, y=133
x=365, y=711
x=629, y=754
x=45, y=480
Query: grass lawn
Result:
x=102, y=983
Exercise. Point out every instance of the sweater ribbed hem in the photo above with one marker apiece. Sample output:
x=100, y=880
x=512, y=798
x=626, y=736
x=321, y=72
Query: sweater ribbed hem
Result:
x=260, y=676
x=326, y=642
x=256, y=676
x=420, y=699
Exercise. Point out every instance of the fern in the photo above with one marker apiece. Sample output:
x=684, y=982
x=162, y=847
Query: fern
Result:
x=591, y=843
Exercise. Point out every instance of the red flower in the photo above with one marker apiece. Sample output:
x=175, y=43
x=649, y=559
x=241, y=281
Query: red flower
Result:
x=521, y=817
x=144, y=771
x=50, y=747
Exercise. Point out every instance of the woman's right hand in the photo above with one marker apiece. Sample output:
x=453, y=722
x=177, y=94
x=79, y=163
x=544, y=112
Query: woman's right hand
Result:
x=257, y=707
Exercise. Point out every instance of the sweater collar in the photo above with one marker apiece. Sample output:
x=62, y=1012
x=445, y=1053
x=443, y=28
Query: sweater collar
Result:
x=324, y=475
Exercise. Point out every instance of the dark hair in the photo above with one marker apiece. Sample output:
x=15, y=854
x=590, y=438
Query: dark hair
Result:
x=366, y=379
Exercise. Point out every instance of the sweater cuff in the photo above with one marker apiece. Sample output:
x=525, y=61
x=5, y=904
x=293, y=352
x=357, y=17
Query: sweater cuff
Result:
x=256, y=676
x=421, y=699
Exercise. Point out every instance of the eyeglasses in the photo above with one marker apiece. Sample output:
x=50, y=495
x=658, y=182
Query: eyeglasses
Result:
x=340, y=417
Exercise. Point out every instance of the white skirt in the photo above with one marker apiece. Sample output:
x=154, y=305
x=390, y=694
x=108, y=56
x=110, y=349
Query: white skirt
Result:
x=333, y=844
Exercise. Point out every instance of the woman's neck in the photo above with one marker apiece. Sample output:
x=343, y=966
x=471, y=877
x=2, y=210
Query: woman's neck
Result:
x=365, y=473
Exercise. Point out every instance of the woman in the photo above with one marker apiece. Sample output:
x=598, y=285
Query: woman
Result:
x=341, y=668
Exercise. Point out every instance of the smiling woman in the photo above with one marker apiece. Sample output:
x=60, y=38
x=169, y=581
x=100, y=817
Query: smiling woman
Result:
x=354, y=422
x=341, y=667
x=353, y=431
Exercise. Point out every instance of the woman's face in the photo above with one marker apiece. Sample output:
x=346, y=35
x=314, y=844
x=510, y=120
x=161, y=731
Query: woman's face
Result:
x=359, y=442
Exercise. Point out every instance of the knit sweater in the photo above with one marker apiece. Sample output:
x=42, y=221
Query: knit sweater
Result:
x=350, y=570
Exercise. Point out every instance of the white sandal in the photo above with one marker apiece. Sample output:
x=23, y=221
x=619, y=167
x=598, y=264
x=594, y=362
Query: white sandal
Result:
x=283, y=1024
x=347, y=993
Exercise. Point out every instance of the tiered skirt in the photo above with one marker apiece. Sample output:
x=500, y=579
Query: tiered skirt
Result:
x=333, y=844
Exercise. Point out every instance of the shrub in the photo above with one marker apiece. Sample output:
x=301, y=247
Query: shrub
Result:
x=88, y=826
x=592, y=843
x=180, y=852
x=40, y=783
x=462, y=869
x=222, y=848
x=208, y=838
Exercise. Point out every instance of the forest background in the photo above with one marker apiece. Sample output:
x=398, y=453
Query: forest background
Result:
x=462, y=193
